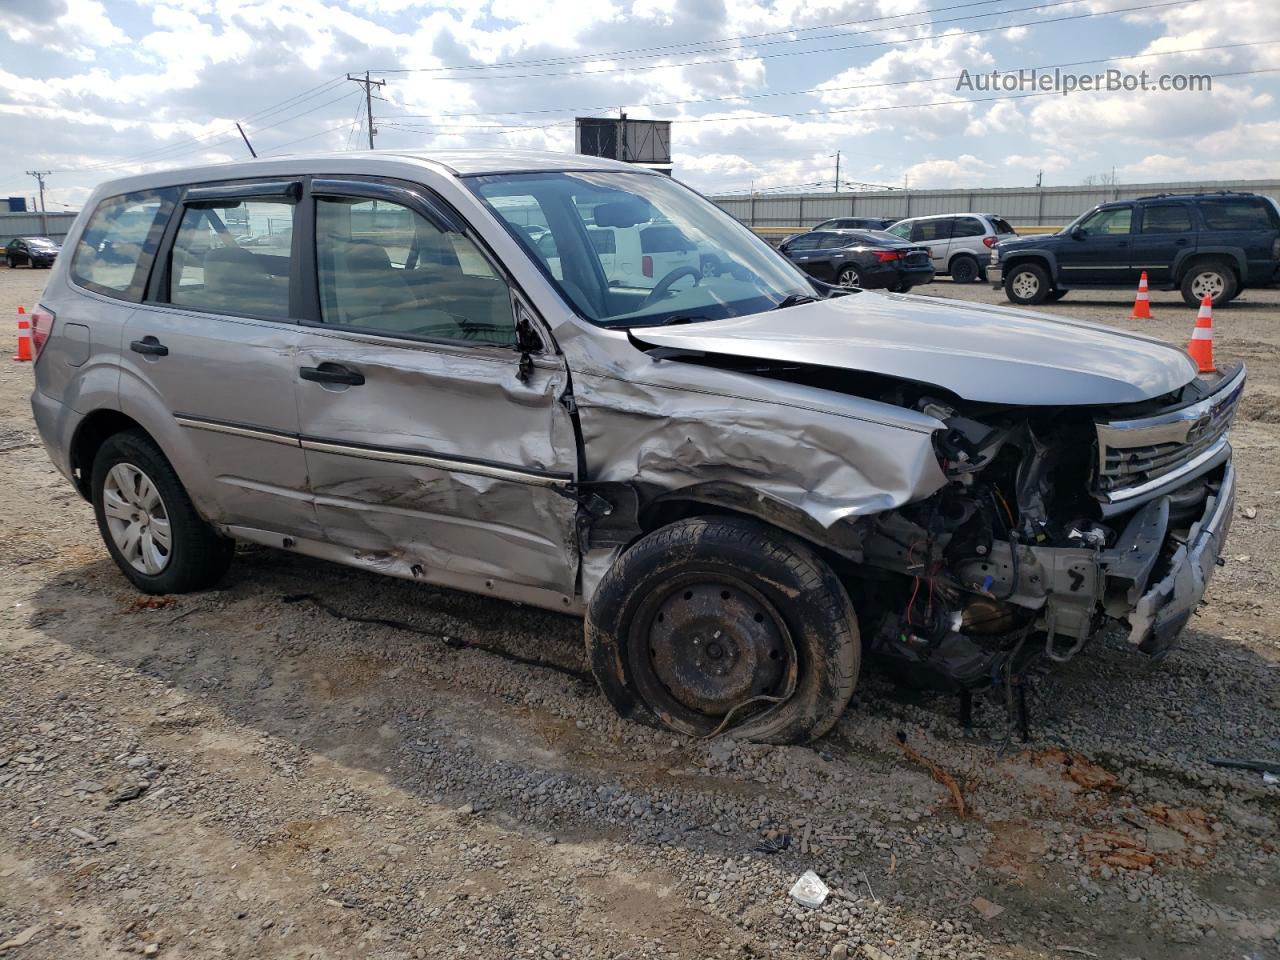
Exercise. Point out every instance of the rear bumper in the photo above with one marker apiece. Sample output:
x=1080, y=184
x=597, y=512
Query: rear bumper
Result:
x=56, y=423
x=894, y=276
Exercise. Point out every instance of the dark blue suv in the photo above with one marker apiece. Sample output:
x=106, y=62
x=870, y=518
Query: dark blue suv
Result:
x=1204, y=243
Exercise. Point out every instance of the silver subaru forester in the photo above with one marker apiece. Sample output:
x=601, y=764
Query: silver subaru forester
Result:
x=447, y=368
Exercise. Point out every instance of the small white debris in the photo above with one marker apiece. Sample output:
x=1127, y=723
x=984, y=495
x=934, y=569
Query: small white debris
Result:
x=809, y=890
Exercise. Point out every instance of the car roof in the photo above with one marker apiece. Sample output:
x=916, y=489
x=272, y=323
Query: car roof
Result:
x=460, y=163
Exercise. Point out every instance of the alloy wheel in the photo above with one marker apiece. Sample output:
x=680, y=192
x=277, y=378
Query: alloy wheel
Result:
x=1209, y=282
x=849, y=277
x=137, y=519
x=1026, y=285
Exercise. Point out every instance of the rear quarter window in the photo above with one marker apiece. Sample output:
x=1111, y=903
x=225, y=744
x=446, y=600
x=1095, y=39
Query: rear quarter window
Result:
x=1246, y=213
x=114, y=253
x=1001, y=225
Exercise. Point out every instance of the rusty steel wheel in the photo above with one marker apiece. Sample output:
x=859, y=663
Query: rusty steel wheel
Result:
x=725, y=625
x=709, y=647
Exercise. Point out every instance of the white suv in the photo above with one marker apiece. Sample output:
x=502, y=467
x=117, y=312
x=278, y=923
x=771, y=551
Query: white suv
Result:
x=959, y=243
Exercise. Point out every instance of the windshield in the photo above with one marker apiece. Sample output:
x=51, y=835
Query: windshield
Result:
x=636, y=249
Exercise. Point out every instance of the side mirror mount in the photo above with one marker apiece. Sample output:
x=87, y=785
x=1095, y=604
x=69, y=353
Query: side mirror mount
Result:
x=528, y=342
x=1079, y=233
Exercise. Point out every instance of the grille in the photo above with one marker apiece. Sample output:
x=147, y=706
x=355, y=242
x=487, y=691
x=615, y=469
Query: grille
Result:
x=1135, y=453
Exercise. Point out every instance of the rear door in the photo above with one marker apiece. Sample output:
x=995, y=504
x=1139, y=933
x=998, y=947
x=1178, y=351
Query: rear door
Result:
x=1098, y=249
x=212, y=347
x=1243, y=222
x=935, y=233
x=435, y=445
x=1163, y=233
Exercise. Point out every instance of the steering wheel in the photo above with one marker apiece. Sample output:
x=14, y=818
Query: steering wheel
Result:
x=661, y=288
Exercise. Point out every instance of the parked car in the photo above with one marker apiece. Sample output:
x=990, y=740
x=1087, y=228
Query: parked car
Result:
x=857, y=223
x=33, y=251
x=745, y=483
x=959, y=243
x=1207, y=243
x=860, y=258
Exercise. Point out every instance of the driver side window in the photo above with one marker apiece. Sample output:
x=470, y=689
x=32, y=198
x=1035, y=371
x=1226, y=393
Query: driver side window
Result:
x=1112, y=222
x=382, y=268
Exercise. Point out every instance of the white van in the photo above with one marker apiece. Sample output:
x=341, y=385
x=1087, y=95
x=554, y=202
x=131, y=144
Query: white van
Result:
x=959, y=243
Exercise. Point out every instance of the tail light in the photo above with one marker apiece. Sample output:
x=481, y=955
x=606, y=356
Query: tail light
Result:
x=646, y=266
x=41, y=326
x=886, y=256
x=989, y=241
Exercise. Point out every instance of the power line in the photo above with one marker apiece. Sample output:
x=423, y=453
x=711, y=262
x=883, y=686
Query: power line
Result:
x=824, y=89
x=668, y=49
x=795, y=53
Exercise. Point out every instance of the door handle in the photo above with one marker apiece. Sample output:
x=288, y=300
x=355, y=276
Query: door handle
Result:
x=149, y=346
x=332, y=373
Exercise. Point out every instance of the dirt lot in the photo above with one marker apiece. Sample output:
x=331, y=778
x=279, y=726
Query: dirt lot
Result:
x=245, y=773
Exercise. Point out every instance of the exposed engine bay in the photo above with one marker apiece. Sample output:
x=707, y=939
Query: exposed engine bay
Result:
x=1031, y=547
x=1053, y=522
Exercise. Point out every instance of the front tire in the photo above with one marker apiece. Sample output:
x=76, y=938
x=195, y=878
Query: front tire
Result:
x=148, y=522
x=716, y=624
x=1027, y=284
x=1212, y=277
x=964, y=269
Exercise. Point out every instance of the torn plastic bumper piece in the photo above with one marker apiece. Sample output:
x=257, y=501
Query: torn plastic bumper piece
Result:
x=1165, y=607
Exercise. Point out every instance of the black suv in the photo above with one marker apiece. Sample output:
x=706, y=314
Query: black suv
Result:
x=1214, y=243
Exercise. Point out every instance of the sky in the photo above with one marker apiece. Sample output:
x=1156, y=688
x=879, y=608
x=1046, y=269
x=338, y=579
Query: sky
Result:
x=761, y=94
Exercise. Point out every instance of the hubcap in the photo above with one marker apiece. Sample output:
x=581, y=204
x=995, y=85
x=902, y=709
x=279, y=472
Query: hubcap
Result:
x=1208, y=283
x=137, y=519
x=850, y=278
x=714, y=644
x=1026, y=285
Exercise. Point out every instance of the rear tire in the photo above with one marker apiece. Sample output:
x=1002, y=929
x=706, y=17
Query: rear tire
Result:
x=1027, y=284
x=849, y=277
x=964, y=269
x=701, y=617
x=1214, y=277
x=136, y=496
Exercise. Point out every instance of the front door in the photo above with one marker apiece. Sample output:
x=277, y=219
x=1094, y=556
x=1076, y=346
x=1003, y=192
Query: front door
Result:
x=431, y=446
x=214, y=342
x=1098, y=249
x=1165, y=232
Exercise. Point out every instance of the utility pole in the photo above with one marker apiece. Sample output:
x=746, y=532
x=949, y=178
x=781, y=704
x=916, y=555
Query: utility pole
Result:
x=368, y=98
x=837, y=171
x=44, y=216
x=624, y=154
x=253, y=153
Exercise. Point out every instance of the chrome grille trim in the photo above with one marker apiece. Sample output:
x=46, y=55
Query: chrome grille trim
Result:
x=1138, y=455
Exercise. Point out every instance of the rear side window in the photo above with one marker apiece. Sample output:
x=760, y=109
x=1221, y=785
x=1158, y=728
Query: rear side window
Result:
x=1242, y=214
x=968, y=227
x=115, y=252
x=603, y=241
x=927, y=230
x=234, y=259
x=1166, y=218
x=664, y=240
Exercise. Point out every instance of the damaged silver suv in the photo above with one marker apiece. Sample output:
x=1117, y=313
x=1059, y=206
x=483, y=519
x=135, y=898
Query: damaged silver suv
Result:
x=447, y=369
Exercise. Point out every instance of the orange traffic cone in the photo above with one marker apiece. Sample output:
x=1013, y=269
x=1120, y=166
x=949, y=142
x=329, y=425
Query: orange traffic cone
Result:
x=24, y=337
x=1142, y=305
x=1201, y=346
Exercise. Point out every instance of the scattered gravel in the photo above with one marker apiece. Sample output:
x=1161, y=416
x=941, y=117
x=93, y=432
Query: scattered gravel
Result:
x=232, y=775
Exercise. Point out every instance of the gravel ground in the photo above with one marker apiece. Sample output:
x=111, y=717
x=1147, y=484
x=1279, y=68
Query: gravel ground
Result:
x=244, y=773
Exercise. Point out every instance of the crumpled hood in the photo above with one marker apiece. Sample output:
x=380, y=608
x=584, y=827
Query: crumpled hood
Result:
x=980, y=353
